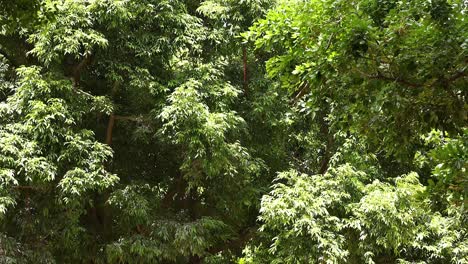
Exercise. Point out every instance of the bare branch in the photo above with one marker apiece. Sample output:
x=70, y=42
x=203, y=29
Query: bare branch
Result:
x=128, y=118
x=303, y=89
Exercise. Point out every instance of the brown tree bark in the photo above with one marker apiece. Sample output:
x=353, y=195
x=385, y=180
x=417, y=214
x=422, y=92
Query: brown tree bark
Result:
x=244, y=55
x=110, y=129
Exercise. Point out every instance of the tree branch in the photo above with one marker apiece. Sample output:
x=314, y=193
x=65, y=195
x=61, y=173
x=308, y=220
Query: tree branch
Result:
x=379, y=76
x=303, y=89
x=244, y=55
x=76, y=77
x=110, y=129
x=110, y=124
x=129, y=118
x=456, y=76
x=328, y=148
x=27, y=188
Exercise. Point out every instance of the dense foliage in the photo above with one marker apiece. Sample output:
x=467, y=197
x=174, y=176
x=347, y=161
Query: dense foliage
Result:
x=233, y=131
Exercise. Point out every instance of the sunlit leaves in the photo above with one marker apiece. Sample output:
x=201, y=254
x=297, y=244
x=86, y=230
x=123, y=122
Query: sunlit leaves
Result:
x=379, y=75
x=185, y=190
x=40, y=141
x=193, y=121
x=322, y=217
x=307, y=211
x=67, y=30
x=168, y=241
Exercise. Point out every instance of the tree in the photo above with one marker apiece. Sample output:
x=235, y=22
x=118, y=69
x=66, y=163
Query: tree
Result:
x=119, y=137
x=181, y=131
x=383, y=83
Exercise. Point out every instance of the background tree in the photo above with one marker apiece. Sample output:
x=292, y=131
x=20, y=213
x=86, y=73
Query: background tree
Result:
x=152, y=132
x=142, y=90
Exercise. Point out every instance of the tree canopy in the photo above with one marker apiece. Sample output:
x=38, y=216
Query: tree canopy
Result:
x=233, y=131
